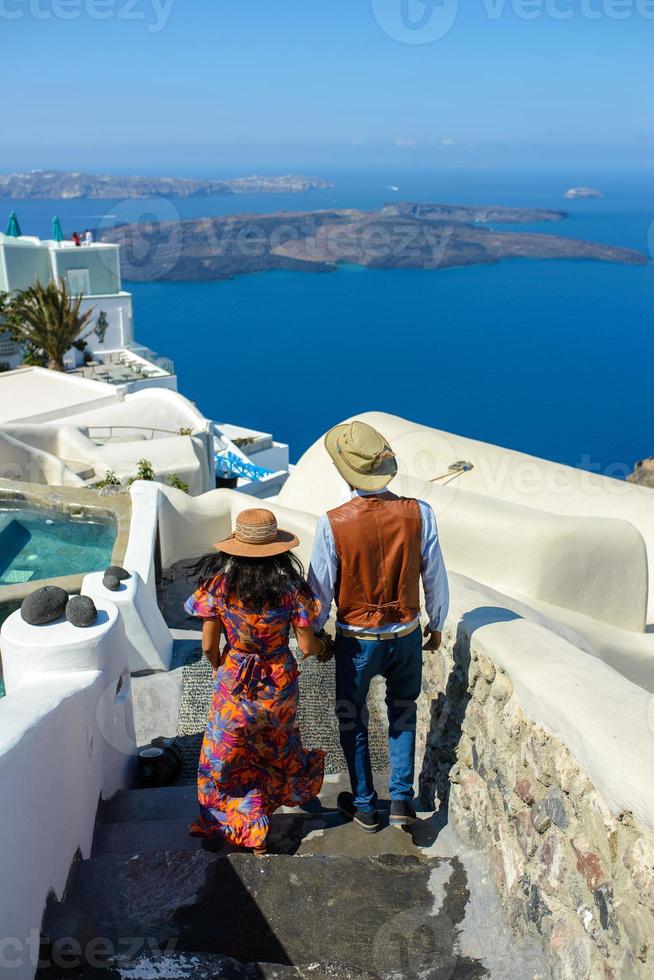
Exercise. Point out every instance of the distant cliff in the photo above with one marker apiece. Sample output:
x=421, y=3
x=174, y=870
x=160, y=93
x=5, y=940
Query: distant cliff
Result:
x=412, y=236
x=476, y=213
x=59, y=184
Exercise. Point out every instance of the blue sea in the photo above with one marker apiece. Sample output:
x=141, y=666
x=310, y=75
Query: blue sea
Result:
x=555, y=358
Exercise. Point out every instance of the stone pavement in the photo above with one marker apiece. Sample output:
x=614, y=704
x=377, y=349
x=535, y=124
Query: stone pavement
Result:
x=316, y=715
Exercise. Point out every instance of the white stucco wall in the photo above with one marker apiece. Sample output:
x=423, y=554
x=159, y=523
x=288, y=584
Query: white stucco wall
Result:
x=55, y=454
x=56, y=426
x=149, y=641
x=65, y=741
x=606, y=721
x=20, y=461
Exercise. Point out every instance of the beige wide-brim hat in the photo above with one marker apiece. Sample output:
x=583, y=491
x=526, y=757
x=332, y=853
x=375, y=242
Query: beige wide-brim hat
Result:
x=257, y=536
x=361, y=455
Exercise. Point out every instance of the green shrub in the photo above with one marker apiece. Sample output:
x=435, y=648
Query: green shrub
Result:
x=110, y=480
x=177, y=482
x=144, y=471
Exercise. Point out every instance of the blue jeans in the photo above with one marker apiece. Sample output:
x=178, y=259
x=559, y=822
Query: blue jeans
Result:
x=357, y=662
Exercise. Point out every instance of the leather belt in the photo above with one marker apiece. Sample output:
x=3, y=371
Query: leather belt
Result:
x=369, y=635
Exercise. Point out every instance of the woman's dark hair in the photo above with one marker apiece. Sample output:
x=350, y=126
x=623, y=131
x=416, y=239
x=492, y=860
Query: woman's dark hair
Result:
x=256, y=582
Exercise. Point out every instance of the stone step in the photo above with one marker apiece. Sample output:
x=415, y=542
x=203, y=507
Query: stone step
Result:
x=387, y=915
x=130, y=838
x=157, y=819
x=162, y=803
x=180, y=801
x=171, y=965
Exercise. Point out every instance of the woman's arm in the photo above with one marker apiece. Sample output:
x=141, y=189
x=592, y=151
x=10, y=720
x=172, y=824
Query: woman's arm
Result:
x=211, y=632
x=311, y=645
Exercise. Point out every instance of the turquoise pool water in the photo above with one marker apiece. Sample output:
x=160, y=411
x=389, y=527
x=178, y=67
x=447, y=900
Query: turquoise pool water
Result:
x=39, y=544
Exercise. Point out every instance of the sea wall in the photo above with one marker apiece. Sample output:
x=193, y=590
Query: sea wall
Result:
x=547, y=755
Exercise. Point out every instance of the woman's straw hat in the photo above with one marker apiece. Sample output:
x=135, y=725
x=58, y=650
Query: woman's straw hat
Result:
x=361, y=455
x=257, y=536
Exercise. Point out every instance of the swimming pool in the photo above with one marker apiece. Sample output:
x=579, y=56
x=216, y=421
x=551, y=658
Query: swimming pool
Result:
x=39, y=543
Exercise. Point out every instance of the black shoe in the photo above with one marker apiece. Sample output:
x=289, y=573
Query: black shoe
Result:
x=402, y=813
x=367, y=821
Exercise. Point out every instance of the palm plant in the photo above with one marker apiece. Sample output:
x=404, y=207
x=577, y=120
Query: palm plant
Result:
x=48, y=319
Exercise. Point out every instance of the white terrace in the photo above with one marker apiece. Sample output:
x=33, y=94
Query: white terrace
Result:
x=66, y=430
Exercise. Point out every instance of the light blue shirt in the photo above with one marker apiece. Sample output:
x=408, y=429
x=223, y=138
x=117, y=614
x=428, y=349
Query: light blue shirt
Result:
x=323, y=572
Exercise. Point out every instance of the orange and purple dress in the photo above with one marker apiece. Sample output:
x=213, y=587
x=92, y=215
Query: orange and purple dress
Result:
x=252, y=759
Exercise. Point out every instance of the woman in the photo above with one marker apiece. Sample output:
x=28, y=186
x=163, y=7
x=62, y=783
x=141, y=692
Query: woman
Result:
x=252, y=761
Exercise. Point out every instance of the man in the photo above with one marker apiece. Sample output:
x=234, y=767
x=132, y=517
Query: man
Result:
x=368, y=556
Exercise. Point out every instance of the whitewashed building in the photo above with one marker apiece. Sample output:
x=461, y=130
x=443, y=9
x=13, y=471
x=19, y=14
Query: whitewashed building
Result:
x=112, y=353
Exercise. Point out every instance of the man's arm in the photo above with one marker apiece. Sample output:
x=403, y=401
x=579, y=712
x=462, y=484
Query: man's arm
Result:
x=434, y=578
x=323, y=570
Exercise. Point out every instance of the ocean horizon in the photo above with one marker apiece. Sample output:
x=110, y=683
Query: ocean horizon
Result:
x=552, y=357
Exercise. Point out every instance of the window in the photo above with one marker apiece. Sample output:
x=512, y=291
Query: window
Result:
x=7, y=346
x=79, y=281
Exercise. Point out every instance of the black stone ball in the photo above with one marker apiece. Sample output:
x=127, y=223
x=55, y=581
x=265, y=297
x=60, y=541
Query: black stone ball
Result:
x=44, y=605
x=111, y=582
x=119, y=572
x=81, y=610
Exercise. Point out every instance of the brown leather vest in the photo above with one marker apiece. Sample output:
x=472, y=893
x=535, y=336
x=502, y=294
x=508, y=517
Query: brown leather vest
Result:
x=378, y=543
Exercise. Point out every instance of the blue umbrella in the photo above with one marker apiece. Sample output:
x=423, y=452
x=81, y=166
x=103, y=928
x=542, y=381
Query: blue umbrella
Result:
x=13, y=228
x=57, y=233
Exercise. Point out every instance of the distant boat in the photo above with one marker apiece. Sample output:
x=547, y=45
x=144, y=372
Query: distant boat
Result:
x=392, y=187
x=583, y=192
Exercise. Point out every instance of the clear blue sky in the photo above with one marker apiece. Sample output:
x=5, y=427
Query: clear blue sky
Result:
x=162, y=84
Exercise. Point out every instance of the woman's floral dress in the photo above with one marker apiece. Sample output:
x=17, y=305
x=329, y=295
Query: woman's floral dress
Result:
x=252, y=759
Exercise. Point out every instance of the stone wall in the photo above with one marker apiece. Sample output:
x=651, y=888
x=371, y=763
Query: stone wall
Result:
x=568, y=868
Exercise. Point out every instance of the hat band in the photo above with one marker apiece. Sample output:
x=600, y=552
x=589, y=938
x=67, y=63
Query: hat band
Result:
x=256, y=533
x=370, y=464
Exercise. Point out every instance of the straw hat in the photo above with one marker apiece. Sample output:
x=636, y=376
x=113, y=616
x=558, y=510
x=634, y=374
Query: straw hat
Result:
x=257, y=536
x=361, y=455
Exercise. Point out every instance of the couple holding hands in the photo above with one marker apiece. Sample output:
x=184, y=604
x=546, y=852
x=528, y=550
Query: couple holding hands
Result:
x=368, y=557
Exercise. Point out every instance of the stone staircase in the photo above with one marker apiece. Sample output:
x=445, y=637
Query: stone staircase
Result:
x=327, y=901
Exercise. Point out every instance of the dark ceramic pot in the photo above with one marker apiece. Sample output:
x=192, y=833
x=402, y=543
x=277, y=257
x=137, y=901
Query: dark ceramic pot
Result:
x=171, y=746
x=156, y=767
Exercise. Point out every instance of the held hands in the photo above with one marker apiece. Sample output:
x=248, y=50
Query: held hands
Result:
x=324, y=648
x=433, y=638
